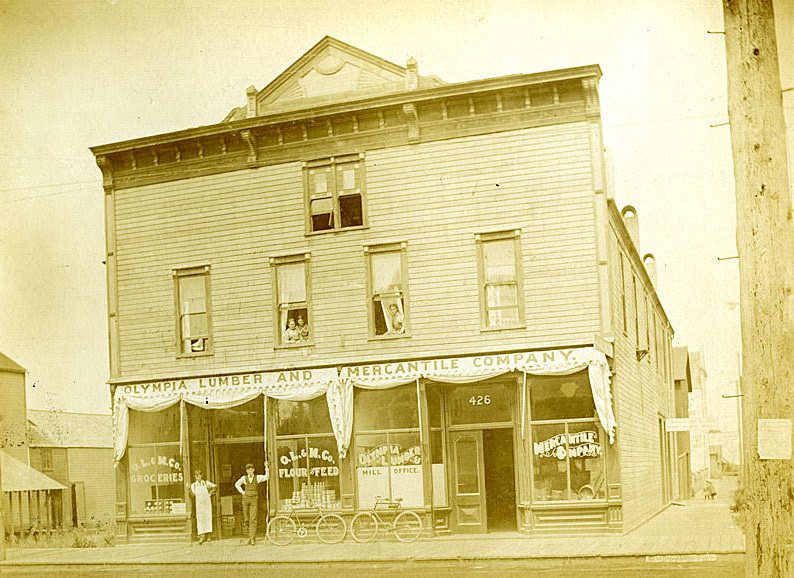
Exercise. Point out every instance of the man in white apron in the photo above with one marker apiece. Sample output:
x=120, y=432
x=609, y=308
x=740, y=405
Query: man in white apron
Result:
x=203, y=490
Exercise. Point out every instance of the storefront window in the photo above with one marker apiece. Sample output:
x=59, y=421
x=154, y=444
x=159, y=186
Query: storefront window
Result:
x=567, y=448
x=388, y=452
x=243, y=421
x=308, y=459
x=156, y=477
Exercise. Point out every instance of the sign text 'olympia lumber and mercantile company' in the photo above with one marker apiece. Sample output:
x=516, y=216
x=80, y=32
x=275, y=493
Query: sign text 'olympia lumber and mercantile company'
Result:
x=257, y=380
x=472, y=364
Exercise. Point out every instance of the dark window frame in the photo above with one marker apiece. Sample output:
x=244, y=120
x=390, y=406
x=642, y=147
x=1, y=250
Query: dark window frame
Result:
x=334, y=193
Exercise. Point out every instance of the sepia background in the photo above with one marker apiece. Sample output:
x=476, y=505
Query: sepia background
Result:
x=79, y=73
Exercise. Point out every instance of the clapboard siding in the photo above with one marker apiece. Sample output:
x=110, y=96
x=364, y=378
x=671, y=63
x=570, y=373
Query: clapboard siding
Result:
x=639, y=393
x=435, y=197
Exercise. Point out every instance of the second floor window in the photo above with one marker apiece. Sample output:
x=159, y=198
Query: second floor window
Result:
x=292, y=301
x=193, y=324
x=388, y=311
x=335, y=190
x=500, y=280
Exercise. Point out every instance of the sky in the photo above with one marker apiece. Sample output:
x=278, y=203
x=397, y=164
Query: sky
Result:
x=80, y=73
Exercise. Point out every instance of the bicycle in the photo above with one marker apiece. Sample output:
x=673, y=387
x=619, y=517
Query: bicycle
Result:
x=406, y=525
x=330, y=528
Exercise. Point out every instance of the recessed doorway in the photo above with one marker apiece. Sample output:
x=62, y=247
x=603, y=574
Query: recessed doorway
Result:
x=500, y=482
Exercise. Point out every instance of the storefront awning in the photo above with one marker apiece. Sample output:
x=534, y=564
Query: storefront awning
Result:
x=19, y=477
x=224, y=391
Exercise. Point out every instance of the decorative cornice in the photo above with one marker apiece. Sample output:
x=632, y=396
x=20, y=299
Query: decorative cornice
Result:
x=104, y=164
x=409, y=110
x=250, y=140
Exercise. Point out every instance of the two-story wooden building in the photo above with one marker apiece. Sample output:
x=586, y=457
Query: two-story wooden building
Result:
x=382, y=284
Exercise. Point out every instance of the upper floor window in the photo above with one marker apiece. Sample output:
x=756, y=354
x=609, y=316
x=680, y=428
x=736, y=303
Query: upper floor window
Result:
x=46, y=460
x=293, y=317
x=500, y=279
x=335, y=193
x=194, y=329
x=387, y=299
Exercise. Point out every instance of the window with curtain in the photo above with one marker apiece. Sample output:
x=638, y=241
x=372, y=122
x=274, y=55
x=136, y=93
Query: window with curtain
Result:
x=387, y=451
x=308, y=458
x=388, y=311
x=291, y=280
x=500, y=278
x=567, y=441
x=193, y=311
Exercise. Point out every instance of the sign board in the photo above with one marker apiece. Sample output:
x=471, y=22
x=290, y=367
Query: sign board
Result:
x=774, y=439
x=697, y=422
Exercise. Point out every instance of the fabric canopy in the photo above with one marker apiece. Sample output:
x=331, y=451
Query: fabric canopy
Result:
x=19, y=477
x=300, y=385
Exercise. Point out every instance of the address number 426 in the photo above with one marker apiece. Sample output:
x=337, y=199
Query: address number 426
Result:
x=480, y=400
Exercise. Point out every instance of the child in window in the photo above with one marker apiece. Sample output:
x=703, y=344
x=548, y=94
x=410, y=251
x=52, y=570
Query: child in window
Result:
x=291, y=333
x=303, y=329
x=397, y=319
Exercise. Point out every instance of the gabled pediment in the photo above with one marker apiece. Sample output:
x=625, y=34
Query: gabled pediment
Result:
x=330, y=71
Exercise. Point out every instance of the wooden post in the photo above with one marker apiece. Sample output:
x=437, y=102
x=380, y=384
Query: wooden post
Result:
x=765, y=240
x=2, y=515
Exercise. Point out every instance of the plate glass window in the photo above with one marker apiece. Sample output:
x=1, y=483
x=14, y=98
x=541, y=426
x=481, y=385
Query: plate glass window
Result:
x=387, y=301
x=193, y=310
x=308, y=457
x=336, y=194
x=567, y=441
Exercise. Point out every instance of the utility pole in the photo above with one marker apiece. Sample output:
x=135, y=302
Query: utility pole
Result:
x=765, y=239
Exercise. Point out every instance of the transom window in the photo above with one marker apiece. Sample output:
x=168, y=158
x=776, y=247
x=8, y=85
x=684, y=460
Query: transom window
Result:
x=293, y=322
x=388, y=311
x=193, y=310
x=335, y=191
x=500, y=280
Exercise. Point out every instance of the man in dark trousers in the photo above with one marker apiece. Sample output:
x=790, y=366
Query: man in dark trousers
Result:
x=251, y=485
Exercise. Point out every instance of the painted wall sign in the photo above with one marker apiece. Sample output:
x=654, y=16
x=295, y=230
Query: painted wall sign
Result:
x=277, y=380
x=466, y=365
x=692, y=423
x=583, y=444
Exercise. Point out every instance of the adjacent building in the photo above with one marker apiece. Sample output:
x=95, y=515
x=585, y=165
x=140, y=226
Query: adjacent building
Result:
x=381, y=284
x=30, y=499
x=76, y=449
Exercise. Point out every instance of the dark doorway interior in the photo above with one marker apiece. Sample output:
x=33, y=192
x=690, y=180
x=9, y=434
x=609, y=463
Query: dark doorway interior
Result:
x=230, y=459
x=500, y=484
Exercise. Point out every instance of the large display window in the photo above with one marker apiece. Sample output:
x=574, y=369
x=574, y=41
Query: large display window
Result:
x=567, y=440
x=387, y=448
x=308, y=460
x=156, y=477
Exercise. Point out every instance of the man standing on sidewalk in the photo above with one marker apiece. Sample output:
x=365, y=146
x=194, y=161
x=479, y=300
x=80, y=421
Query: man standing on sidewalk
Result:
x=250, y=485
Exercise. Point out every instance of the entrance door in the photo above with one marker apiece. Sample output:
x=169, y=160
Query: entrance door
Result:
x=230, y=461
x=468, y=482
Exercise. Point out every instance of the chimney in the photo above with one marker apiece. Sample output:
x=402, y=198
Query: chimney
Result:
x=650, y=266
x=411, y=74
x=632, y=224
x=250, y=110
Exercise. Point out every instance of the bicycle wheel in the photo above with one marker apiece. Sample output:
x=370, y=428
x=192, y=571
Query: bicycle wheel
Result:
x=364, y=527
x=407, y=526
x=331, y=528
x=281, y=530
